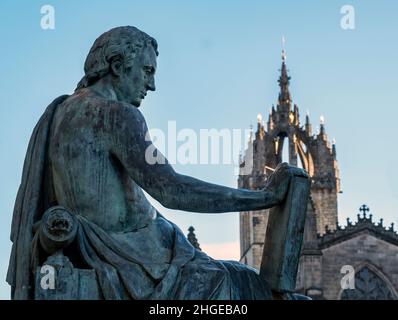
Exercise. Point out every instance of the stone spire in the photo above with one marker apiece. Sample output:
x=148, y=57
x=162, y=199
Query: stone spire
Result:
x=284, y=94
x=192, y=238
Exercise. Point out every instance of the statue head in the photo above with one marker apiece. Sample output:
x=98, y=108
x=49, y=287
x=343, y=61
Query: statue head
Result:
x=127, y=57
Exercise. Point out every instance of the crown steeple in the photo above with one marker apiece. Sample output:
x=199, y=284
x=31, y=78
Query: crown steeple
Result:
x=284, y=94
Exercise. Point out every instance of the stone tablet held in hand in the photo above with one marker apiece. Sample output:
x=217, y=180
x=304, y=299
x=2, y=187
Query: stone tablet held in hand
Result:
x=284, y=237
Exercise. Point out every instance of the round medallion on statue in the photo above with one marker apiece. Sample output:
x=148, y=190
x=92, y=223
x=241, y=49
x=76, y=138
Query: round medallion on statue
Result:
x=58, y=229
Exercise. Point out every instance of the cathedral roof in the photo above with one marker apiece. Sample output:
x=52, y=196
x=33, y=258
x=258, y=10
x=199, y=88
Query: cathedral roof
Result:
x=364, y=224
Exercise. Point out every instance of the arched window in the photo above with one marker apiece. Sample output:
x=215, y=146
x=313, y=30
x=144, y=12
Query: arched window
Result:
x=368, y=286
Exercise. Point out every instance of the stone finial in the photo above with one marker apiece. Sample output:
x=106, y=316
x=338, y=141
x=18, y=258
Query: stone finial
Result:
x=192, y=238
x=334, y=152
x=364, y=208
x=270, y=123
x=308, y=126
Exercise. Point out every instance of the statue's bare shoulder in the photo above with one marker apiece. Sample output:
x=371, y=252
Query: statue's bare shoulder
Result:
x=115, y=121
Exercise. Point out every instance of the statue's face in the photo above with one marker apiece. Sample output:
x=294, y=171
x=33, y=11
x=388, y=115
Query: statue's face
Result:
x=139, y=78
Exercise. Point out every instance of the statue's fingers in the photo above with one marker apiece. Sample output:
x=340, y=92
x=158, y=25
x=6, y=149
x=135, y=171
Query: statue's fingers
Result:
x=299, y=172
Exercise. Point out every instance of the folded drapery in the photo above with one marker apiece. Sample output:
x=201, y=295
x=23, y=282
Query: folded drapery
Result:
x=120, y=273
x=191, y=274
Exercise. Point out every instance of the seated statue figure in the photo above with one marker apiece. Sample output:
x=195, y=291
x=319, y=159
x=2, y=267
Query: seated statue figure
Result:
x=87, y=155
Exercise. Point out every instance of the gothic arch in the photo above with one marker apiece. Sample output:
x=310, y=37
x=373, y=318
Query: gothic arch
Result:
x=301, y=144
x=371, y=284
x=303, y=150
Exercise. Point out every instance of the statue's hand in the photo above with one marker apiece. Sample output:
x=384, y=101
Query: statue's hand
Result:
x=278, y=181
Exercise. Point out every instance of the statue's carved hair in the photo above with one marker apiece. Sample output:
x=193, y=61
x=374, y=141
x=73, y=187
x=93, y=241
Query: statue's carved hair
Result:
x=121, y=43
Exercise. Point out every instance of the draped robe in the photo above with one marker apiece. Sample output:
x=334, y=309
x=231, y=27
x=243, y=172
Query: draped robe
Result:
x=122, y=273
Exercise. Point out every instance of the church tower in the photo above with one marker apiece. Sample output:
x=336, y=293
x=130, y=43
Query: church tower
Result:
x=285, y=139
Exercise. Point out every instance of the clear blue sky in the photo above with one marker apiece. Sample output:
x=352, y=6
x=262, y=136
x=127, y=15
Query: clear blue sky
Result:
x=217, y=68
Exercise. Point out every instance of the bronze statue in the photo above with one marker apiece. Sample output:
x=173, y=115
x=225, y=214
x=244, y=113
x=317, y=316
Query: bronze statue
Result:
x=86, y=169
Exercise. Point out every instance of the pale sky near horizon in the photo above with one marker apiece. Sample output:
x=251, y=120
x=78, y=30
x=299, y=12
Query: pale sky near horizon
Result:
x=218, y=68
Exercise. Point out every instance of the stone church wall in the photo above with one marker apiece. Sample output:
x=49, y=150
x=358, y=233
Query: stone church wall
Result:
x=357, y=252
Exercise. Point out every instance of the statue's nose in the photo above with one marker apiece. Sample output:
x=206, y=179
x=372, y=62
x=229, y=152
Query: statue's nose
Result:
x=151, y=84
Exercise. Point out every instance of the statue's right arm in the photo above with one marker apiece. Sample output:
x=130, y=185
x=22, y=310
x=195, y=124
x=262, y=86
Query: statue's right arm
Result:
x=130, y=144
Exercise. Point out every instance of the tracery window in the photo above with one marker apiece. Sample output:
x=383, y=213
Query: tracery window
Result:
x=368, y=286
